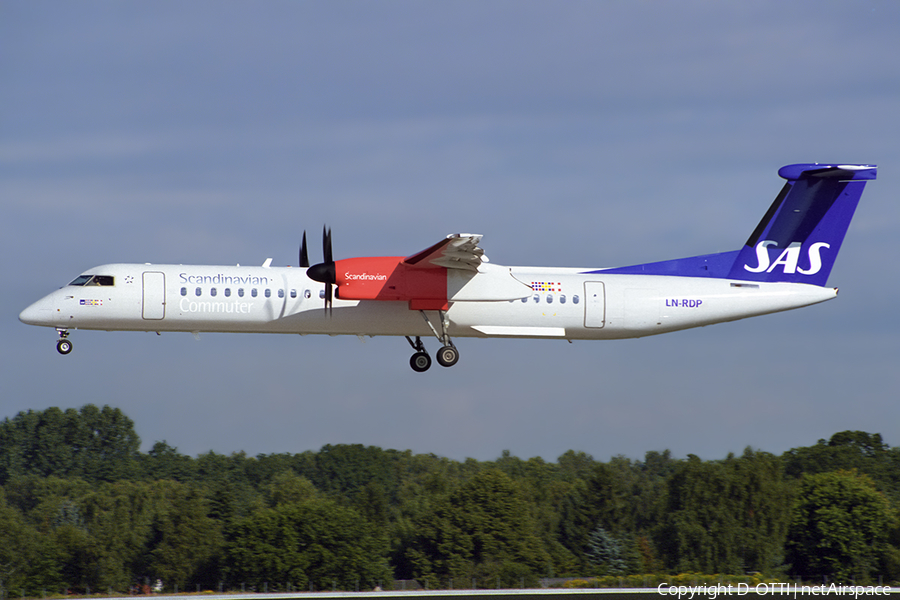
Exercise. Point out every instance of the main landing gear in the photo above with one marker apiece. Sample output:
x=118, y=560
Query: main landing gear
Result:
x=420, y=361
x=447, y=356
x=63, y=346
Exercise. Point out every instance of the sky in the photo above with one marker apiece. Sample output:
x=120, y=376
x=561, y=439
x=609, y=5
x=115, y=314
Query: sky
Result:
x=575, y=134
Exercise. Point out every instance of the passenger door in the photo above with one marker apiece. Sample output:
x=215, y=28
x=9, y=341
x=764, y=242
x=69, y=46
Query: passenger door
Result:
x=154, y=298
x=594, y=304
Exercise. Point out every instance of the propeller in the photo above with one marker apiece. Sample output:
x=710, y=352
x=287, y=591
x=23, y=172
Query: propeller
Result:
x=324, y=272
x=304, y=255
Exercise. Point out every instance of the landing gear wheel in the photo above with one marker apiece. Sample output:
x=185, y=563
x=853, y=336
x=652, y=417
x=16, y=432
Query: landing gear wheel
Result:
x=447, y=356
x=420, y=362
x=63, y=346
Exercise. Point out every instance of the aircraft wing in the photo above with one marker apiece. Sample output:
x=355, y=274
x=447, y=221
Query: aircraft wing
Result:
x=456, y=251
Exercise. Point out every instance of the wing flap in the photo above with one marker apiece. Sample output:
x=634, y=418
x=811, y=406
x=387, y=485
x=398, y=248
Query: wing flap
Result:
x=456, y=251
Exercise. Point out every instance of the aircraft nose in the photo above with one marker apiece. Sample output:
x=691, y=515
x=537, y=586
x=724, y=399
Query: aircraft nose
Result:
x=37, y=314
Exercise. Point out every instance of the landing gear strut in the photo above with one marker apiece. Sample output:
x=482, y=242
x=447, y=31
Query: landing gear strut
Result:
x=63, y=346
x=447, y=356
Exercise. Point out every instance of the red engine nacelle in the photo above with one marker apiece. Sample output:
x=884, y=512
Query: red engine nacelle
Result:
x=389, y=278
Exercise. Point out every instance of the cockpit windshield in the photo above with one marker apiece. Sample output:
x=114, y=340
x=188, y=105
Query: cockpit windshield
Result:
x=89, y=280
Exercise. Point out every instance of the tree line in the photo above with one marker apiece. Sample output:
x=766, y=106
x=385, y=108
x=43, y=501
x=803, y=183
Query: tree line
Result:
x=82, y=508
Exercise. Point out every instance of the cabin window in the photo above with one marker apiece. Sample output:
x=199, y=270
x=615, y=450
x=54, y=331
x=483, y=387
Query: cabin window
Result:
x=525, y=299
x=549, y=298
x=253, y=292
x=307, y=294
x=293, y=293
x=280, y=293
x=184, y=291
x=575, y=299
x=227, y=292
x=562, y=298
x=322, y=294
x=537, y=298
x=198, y=292
x=268, y=293
x=212, y=292
x=241, y=292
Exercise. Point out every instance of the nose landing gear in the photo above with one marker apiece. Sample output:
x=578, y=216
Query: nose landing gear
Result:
x=63, y=346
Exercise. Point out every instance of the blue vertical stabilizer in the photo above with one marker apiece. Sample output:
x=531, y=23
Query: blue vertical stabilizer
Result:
x=798, y=238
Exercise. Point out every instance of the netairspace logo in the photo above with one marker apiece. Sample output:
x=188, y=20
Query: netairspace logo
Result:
x=770, y=589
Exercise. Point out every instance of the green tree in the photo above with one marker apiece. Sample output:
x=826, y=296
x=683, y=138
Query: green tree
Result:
x=314, y=541
x=165, y=462
x=543, y=487
x=91, y=443
x=606, y=553
x=839, y=527
x=575, y=465
x=27, y=558
x=183, y=541
x=346, y=469
x=96, y=533
x=288, y=487
x=623, y=497
x=118, y=520
x=104, y=444
x=264, y=467
x=482, y=530
x=726, y=516
x=226, y=485
x=424, y=480
x=50, y=505
x=847, y=450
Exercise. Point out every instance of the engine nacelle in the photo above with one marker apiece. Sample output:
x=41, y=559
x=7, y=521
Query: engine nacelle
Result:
x=389, y=278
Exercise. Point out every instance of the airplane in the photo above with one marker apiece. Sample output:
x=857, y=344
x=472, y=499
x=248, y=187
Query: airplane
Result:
x=450, y=290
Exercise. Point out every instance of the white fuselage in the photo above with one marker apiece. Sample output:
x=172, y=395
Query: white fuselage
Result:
x=554, y=303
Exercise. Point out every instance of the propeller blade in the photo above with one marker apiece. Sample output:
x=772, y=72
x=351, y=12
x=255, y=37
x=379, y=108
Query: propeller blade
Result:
x=304, y=255
x=324, y=272
x=326, y=245
x=329, y=260
x=328, y=300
